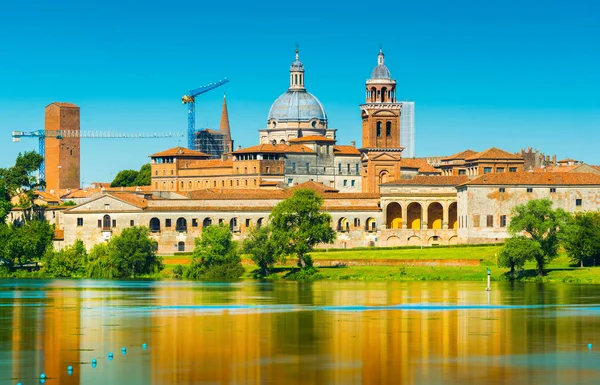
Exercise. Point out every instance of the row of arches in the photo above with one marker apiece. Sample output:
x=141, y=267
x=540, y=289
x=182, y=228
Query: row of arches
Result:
x=344, y=225
x=181, y=224
x=382, y=95
x=413, y=216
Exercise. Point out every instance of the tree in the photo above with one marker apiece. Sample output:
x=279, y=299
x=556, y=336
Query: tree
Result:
x=215, y=256
x=262, y=248
x=133, y=252
x=516, y=252
x=131, y=178
x=24, y=243
x=100, y=265
x=20, y=180
x=68, y=262
x=5, y=205
x=298, y=225
x=581, y=238
x=541, y=223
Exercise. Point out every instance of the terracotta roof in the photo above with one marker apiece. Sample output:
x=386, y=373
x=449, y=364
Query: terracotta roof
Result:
x=311, y=138
x=461, y=155
x=568, y=160
x=269, y=183
x=81, y=193
x=236, y=194
x=275, y=148
x=133, y=199
x=417, y=163
x=431, y=180
x=494, y=153
x=314, y=186
x=100, y=184
x=181, y=152
x=537, y=178
x=48, y=197
x=63, y=104
x=345, y=150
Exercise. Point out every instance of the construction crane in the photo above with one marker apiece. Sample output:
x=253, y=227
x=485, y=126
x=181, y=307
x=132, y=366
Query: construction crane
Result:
x=59, y=134
x=190, y=100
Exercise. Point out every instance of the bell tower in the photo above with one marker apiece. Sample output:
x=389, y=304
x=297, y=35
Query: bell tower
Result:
x=381, y=152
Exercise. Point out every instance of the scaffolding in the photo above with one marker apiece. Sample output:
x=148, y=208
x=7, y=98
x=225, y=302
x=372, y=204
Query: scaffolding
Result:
x=211, y=142
x=407, y=129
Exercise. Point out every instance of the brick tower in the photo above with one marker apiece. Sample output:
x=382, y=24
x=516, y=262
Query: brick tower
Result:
x=381, y=152
x=62, y=155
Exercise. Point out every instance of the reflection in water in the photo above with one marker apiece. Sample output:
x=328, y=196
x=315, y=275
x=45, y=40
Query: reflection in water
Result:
x=298, y=333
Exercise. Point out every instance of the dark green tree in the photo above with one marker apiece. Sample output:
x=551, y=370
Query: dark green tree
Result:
x=516, y=251
x=100, y=264
x=541, y=223
x=144, y=177
x=581, y=238
x=25, y=243
x=216, y=256
x=262, y=248
x=133, y=252
x=124, y=178
x=298, y=225
x=68, y=262
x=20, y=180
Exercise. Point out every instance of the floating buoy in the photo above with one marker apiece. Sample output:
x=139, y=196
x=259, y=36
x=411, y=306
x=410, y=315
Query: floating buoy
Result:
x=110, y=354
x=94, y=361
x=123, y=349
x=69, y=368
x=144, y=346
x=43, y=376
x=589, y=346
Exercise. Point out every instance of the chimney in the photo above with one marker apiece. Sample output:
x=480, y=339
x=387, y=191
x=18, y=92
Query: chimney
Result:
x=353, y=143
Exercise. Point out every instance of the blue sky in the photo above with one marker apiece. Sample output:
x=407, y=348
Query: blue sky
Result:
x=509, y=74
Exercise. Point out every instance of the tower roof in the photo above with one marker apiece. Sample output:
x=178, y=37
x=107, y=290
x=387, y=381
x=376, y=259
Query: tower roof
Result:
x=381, y=71
x=224, y=126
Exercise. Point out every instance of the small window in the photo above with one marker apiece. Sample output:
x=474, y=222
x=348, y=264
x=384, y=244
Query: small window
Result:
x=156, y=172
x=352, y=183
x=502, y=189
x=345, y=182
x=307, y=167
x=99, y=222
x=194, y=222
x=487, y=170
x=293, y=166
x=348, y=168
x=529, y=189
x=172, y=172
x=357, y=168
x=388, y=128
x=79, y=222
x=462, y=172
x=167, y=223
x=290, y=181
x=578, y=202
x=500, y=169
x=114, y=223
x=339, y=168
x=512, y=169
x=490, y=221
x=268, y=169
x=107, y=206
x=475, y=220
x=502, y=220
x=552, y=189
x=248, y=222
x=379, y=129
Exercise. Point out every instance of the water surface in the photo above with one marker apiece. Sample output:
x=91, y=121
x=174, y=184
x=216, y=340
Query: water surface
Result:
x=298, y=333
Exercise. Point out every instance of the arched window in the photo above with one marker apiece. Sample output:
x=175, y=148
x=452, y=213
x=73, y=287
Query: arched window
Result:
x=154, y=225
x=259, y=222
x=181, y=225
x=379, y=129
x=233, y=225
x=388, y=129
x=106, y=225
x=206, y=222
x=383, y=94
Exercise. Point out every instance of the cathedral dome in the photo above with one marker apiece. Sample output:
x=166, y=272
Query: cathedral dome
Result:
x=297, y=106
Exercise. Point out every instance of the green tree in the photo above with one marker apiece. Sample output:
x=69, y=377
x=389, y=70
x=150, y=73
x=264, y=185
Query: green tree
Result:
x=25, y=243
x=5, y=205
x=124, y=178
x=20, y=180
x=262, y=248
x=100, y=264
x=215, y=256
x=144, y=177
x=133, y=252
x=541, y=223
x=581, y=238
x=298, y=225
x=68, y=262
x=516, y=251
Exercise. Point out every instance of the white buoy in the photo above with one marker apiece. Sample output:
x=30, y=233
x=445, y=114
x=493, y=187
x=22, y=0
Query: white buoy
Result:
x=489, y=281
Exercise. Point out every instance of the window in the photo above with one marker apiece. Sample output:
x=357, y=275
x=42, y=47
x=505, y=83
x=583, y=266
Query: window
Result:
x=345, y=182
x=529, y=189
x=339, y=168
x=290, y=181
x=79, y=222
x=512, y=169
x=171, y=172
x=379, y=129
x=552, y=189
x=487, y=170
x=132, y=223
x=578, y=202
x=348, y=168
x=475, y=220
x=357, y=168
x=502, y=220
x=255, y=169
x=490, y=221
x=356, y=222
x=388, y=128
x=167, y=223
x=156, y=172
x=248, y=222
x=352, y=183
x=114, y=223
x=99, y=222
x=462, y=172
x=502, y=189
x=293, y=166
x=107, y=206
x=307, y=167
x=268, y=169
x=500, y=169
x=194, y=222
x=245, y=182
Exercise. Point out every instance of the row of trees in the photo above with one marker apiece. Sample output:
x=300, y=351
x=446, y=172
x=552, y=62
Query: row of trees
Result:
x=131, y=178
x=538, y=231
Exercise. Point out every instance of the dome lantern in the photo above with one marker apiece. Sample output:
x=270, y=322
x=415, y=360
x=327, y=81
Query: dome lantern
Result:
x=297, y=74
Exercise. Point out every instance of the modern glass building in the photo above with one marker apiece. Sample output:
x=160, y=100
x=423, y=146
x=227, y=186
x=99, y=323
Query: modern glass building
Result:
x=407, y=129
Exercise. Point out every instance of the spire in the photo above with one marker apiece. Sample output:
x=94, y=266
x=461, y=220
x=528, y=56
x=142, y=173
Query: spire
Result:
x=297, y=73
x=224, y=126
x=380, y=56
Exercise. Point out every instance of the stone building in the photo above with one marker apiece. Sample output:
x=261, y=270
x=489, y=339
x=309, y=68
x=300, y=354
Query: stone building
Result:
x=485, y=203
x=474, y=164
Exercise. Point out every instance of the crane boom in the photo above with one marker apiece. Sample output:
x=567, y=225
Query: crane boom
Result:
x=190, y=100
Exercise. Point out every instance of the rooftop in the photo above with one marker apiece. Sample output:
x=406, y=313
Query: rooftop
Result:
x=537, y=178
x=494, y=153
x=274, y=148
x=431, y=180
x=180, y=152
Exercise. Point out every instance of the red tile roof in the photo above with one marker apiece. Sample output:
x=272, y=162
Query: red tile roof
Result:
x=461, y=155
x=537, y=178
x=418, y=163
x=431, y=180
x=180, y=152
x=494, y=153
x=133, y=199
x=275, y=148
x=345, y=150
